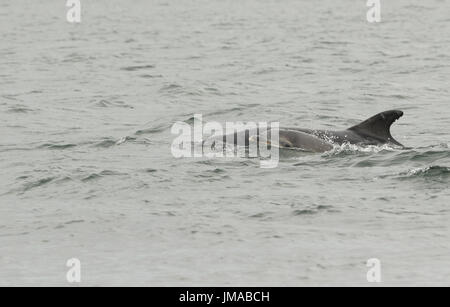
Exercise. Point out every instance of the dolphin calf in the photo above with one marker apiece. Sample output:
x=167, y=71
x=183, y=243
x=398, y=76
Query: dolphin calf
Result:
x=373, y=131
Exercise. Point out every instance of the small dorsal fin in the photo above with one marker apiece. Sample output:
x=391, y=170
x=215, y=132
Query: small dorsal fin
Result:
x=379, y=126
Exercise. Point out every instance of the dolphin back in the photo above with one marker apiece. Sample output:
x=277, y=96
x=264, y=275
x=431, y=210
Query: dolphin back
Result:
x=379, y=126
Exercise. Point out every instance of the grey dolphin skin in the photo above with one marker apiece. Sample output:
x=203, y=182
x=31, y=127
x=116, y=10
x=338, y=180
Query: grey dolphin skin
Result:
x=373, y=131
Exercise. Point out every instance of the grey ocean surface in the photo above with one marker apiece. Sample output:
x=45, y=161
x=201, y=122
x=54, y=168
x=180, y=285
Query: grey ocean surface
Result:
x=87, y=172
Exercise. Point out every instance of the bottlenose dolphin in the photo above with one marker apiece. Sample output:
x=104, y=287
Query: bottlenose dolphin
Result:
x=373, y=131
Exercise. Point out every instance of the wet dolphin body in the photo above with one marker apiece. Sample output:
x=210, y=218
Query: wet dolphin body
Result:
x=373, y=131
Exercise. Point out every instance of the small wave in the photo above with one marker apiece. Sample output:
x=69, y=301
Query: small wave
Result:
x=313, y=210
x=150, y=170
x=171, y=88
x=148, y=76
x=337, y=43
x=10, y=97
x=428, y=172
x=74, y=222
x=347, y=148
x=108, y=104
x=174, y=89
x=419, y=7
x=265, y=71
x=32, y=184
x=217, y=174
x=224, y=111
x=124, y=140
x=138, y=67
x=110, y=142
x=156, y=129
x=38, y=183
x=14, y=234
x=262, y=216
x=304, y=212
x=56, y=146
x=212, y=91
x=106, y=143
x=427, y=155
x=422, y=155
x=434, y=173
x=102, y=174
x=19, y=110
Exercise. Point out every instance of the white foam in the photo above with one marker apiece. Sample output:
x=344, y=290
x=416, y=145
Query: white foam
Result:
x=352, y=148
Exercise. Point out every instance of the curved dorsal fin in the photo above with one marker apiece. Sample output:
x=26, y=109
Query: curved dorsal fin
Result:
x=378, y=126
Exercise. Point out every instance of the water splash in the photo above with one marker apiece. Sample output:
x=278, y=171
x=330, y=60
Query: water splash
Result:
x=348, y=148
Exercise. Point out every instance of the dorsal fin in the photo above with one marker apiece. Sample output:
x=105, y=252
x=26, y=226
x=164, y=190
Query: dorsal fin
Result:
x=378, y=126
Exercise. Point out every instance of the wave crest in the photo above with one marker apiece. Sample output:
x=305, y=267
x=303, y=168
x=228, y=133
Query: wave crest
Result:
x=348, y=148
